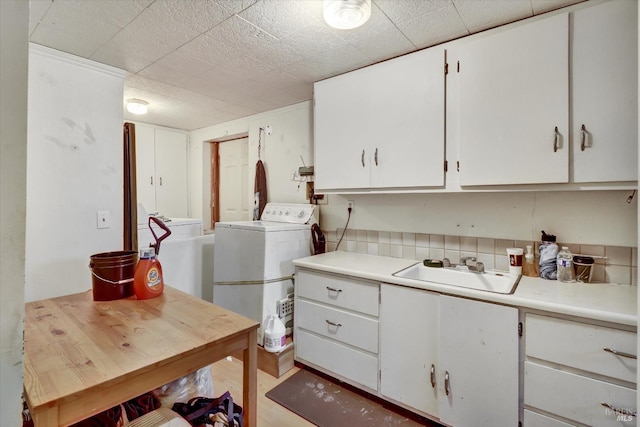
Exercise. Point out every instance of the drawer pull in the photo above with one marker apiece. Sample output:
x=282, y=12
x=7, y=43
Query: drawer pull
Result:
x=330, y=289
x=620, y=353
x=447, y=386
x=433, y=376
x=329, y=322
x=629, y=412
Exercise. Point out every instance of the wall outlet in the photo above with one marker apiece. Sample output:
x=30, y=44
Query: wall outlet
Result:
x=103, y=219
x=351, y=205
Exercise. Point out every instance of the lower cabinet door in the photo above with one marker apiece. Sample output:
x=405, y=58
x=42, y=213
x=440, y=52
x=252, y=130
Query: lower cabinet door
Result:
x=354, y=365
x=409, y=349
x=479, y=369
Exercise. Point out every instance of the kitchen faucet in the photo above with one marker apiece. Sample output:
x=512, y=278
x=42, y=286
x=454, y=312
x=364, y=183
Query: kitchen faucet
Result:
x=477, y=267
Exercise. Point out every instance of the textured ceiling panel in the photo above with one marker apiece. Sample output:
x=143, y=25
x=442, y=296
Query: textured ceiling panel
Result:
x=204, y=62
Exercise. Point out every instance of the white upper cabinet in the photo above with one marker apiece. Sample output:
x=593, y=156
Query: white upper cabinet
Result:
x=382, y=126
x=605, y=92
x=513, y=95
x=161, y=170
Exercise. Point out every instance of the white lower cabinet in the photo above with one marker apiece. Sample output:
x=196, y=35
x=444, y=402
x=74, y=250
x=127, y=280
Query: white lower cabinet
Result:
x=578, y=372
x=336, y=326
x=450, y=358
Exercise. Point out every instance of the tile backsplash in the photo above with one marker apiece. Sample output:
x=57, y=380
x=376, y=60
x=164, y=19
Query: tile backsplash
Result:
x=617, y=264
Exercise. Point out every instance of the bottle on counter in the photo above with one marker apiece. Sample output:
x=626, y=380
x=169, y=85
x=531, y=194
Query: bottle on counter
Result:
x=548, y=256
x=565, y=266
x=147, y=280
x=530, y=268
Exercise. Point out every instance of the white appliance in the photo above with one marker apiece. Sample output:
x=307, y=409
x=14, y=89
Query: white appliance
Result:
x=183, y=254
x=252, y=263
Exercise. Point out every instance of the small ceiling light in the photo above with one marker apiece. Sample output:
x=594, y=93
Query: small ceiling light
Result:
x=346, y=14
x=137, y=106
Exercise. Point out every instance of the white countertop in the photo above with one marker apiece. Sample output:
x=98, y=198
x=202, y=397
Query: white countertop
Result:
x=599, y=301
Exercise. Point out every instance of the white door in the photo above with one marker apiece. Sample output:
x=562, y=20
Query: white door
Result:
x=409, y=325
x=171, y=173
x=233, y=163
x=479, y=365
x=407, y=121
x=605, y=92
x=513, y=93
x=341, y=113
x=145, y=167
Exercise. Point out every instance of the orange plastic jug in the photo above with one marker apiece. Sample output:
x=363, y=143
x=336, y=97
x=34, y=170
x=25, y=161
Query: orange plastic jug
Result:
x=147, y=281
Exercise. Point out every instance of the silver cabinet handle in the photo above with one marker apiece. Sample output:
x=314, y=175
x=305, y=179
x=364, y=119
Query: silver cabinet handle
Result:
x=329, y=322
x=583, y=138
x=362, y=158
x=160, y=180
x=151, y=180
x=556, y=137
x=433, y=376
x=619, y=411
x=620, y=353
x=330, y=289
x=375, y=157
x=447, y=385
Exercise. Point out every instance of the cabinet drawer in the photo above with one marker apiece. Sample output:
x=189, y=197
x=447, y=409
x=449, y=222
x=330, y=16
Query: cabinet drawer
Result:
x=340, y=291
x=581, y=346
x=337, y=358
x=577, y=397
x=349, y=328
x=533, y=419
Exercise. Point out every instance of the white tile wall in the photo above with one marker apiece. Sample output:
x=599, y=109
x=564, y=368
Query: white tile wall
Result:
x=615, y=264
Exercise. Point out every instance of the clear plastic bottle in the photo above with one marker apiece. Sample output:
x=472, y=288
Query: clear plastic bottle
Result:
x=530, y=268
x=565, y=265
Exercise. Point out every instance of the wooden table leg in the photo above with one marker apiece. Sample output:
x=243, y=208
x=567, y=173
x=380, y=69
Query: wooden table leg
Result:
x=46, y=417
x=250, y=380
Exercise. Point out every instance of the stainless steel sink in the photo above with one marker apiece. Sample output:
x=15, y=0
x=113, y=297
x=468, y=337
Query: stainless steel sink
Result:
x=490, y=281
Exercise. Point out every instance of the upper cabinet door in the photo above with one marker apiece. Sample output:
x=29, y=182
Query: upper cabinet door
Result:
x=605, y=92
x=407, y=130
x=513, y=95
x=146, y=167
x=342, y=129
x=171, y=173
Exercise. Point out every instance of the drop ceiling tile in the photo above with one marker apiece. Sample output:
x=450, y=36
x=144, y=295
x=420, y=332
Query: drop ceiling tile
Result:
x=242, y=36
x=314, y=39
x=201, y=15
x=53, y=37
x=283, y=17
x=235, y=6
x=542, y=6
x=485, y=14
x=37, y=10
x=344, y=58
x=430, y=29
x=406, y=10
x=145, y=40
x=378, y=38
x=178, y=62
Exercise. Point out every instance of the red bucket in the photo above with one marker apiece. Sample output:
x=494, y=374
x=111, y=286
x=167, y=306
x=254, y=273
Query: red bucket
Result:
x=112, y=274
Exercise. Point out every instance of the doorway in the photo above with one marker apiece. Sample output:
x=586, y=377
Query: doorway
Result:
x=229, y=179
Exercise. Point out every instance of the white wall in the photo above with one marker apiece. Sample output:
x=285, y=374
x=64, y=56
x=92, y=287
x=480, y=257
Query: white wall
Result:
x=74, y=169
x=291, y=138
x=14, y=26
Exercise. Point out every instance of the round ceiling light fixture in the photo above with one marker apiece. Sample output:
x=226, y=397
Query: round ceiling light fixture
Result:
x=137, y=106
x=346, y=14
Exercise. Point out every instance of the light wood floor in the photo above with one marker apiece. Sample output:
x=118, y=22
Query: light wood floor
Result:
x=227, y=375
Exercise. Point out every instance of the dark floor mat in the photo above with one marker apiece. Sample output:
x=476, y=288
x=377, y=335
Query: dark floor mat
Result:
x=328, y=403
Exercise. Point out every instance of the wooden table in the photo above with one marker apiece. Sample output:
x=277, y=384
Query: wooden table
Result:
x=82, y=357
